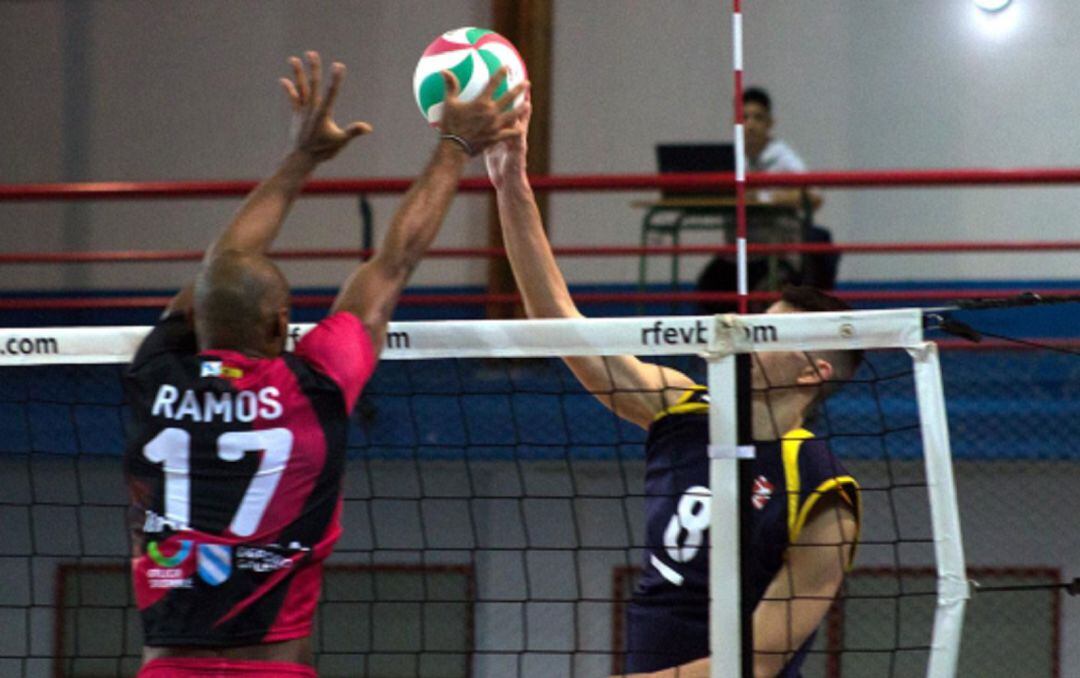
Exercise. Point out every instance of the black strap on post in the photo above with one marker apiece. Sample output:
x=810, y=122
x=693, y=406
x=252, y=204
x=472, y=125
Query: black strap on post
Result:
x=746, y=472
x=367, y=231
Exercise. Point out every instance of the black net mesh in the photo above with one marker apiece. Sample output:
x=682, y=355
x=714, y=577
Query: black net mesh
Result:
x=494, y=522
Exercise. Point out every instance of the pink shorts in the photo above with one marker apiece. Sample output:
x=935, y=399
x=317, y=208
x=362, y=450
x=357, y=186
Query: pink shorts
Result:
x=222, y=668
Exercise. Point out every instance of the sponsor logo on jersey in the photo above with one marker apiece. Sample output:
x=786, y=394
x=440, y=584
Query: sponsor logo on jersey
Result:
x=215, y=563
x=216, y=368
x=761, y=493
x=261, y=559
x=167, y=578
x=175, y=560
x=156, y=523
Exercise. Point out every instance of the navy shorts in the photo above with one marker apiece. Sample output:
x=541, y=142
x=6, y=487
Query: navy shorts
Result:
x=662, y=636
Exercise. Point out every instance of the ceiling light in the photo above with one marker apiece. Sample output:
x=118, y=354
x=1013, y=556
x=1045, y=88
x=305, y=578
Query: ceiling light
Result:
x=992, y=5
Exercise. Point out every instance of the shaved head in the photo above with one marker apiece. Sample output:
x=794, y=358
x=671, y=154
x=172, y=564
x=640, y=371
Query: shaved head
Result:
x=241, y=300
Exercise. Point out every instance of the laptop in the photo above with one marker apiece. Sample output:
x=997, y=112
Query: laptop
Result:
x=695, y=157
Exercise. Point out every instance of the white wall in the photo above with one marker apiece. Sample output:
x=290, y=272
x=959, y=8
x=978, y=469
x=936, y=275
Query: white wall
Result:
x=856, y=84
x=172, y=91
x=165, y=90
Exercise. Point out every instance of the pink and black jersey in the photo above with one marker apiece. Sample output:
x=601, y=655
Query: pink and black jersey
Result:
x=234, y=465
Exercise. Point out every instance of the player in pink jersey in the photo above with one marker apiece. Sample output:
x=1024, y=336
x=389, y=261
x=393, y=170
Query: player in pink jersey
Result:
x=236, y=447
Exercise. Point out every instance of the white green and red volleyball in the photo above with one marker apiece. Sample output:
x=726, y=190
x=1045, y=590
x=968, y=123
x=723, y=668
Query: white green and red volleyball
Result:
x=473, y=55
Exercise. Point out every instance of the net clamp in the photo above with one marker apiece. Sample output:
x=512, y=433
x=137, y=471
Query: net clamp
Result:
x=730, y=335
x=732, y=452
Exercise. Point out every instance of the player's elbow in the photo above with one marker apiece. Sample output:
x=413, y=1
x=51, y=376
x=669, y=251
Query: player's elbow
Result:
x=551, y=307
x=391, y=268
x=398, y=262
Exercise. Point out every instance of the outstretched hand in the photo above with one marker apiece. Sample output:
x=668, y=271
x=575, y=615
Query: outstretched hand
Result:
x=313, y=130
x=484, y=121
x=506, y=159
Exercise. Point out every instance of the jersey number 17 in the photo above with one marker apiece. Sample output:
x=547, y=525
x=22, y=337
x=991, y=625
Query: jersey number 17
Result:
x=172, y=449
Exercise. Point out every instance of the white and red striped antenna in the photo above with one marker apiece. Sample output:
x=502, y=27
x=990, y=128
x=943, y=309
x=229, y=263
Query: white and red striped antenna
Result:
x=740, y=160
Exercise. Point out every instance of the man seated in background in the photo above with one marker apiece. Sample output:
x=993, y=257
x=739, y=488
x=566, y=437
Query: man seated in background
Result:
x=765, y=153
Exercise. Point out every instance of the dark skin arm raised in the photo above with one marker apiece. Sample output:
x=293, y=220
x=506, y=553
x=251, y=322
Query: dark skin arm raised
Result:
x=316, y=138
x=372, y=291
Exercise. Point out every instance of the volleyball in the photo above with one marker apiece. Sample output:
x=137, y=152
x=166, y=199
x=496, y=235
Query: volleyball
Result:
x=471, y=54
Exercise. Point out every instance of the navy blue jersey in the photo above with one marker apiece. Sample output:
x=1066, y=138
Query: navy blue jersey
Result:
x=667, y=621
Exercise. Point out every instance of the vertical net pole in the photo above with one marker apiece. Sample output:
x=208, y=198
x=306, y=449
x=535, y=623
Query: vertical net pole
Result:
x=744, y=433
x=725, y=618
x=740, y=159
x=952, y=581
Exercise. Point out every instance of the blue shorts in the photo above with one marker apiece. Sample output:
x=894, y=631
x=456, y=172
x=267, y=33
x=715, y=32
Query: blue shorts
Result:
x=660, y=636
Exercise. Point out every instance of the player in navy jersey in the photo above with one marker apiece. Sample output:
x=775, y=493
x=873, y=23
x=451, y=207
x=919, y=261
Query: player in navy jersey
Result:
x=236, y=447
x=806, y=506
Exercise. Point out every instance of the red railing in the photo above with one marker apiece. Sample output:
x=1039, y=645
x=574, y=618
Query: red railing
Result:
x=890, y=178
x=439, y=299
x=610, y=182
x=144, y=256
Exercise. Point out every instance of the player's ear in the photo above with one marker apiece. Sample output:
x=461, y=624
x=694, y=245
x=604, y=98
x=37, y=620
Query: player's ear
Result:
x=279, y=328
x=816, y=371
x=283, y=321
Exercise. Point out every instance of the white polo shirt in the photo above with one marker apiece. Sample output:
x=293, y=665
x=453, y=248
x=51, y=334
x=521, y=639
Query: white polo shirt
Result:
x=777, y=157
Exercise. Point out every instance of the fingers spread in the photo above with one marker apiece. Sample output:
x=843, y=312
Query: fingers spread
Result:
x=315, y=64
x=357, y=129
x=301, y=79
x=494, y=82
x=507, y=134
x=290, y=91
x=452, y=86
x=511, y=118
x=508, y=98
x=337, y=74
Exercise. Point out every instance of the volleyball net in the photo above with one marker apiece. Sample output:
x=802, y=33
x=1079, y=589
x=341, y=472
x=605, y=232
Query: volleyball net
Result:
x=494, y=510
